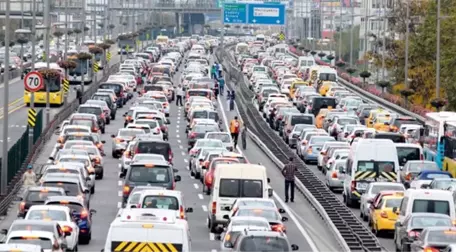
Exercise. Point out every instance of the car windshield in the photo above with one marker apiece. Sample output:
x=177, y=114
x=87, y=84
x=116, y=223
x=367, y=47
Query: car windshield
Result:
x=269, y=214
x=76, y=137
x=442, y=236
x=139, y=157
x=256, y=203
x=43, y=242
x=130, y=132
x=90, y=110
x=35, y=227
x=161, y=202
x=82, y=122
x=264, y=244
x=431, y=221
x=46, y=214
x=301, y=119
x=249, y=223
x=76, y=160
x=71, y=189
x=417, y=167
x=75, y=130
x=212, y=144
x=152, y=123
x=390, y=203
x=149, y=175
x=222, y=137
x=40, y=196
x=393, y=187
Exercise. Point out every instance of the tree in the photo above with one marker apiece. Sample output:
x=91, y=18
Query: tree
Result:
x=346, y=43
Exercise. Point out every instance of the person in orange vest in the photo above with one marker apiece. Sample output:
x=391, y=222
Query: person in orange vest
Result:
x=235, y=128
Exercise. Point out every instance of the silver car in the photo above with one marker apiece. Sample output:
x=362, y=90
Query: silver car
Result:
x=295, y=132
x=336, y=174
x=120, y=141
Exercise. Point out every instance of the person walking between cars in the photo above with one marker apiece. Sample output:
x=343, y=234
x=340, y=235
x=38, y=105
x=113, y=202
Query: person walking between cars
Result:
x=180, y=95
x=213, y=71
x=232, y=98
x=79, y=94
x=289, y=171
x=29, y=177
x=221, y=81
x=244, y=137
x=235, y=128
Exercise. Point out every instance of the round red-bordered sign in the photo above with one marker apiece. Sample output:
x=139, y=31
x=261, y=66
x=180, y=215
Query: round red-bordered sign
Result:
x=33, y=81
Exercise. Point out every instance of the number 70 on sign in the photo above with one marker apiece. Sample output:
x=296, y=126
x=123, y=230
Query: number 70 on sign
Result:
x=33, y=81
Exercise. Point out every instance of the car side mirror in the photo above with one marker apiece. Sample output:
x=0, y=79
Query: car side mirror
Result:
x=228, y=245
x=227, y=208
x=113, y=136
x=189, y=210
x=4, y=231
x=93, y=211
x=294, y=247
x=168, y=121
x=125, y=114
x=122, y=175
x=52, y=158
x=226, y=217
x=281, y=210
x=284, y=219
x=177, y=178
x=133, y=206
x=103, y=141
x=270, y=192
x=175, y=170
x=395, y=210
x=269, y=180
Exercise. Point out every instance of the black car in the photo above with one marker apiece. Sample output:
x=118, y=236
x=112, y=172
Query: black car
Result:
x=37, y=195
x=105, y=97
x=145, y=173
x=94, y=110
x=118, y=89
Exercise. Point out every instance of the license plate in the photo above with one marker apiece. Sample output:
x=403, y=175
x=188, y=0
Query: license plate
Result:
x=361, y=186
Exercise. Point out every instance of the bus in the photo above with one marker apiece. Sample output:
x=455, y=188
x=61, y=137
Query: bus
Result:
x=162, y=39
x=449, y=147
x=56, y=96
x=434, y=132
x=80, y=74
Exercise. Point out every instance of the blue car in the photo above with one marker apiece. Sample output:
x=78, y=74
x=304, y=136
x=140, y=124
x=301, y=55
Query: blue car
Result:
x=425, y=178
x=81, y=214
x=310, y=153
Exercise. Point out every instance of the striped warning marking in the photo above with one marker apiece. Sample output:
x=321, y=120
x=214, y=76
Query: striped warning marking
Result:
x=31, y=117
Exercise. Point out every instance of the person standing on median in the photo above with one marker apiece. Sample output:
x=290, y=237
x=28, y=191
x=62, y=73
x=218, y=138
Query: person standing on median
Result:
x=29, y=177
x=289, y=171
x=180, y=95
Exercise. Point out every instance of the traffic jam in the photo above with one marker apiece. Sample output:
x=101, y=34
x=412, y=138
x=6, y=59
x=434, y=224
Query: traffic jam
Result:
x=375, y=159
x=128, y=121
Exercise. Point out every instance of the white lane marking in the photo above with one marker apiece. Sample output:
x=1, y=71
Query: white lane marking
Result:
x=181, y=147
x=177, y=136
x=119, y=183
x=304, y=233
x=119, y=204
x=179, y=141
x=213, y=250
x=185, y=160
x=119, y=193
x=183, y=154
x=195, y=185
x=200, y=196
x=178, y=122
x=204, y=208
x=177, y=126
x=211, y=236
x=177, y=130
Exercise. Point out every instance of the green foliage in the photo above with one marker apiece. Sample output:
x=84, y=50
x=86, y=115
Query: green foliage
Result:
x=346, y=43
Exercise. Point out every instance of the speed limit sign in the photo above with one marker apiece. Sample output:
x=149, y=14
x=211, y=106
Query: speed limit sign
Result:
x=33, y=81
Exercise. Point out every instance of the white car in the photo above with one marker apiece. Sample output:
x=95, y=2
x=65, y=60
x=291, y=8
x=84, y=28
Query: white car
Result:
x=225, y=137
x=44, y=239
x=61, y=214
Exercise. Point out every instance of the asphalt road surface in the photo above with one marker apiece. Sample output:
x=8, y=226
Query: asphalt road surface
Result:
x=304, y=228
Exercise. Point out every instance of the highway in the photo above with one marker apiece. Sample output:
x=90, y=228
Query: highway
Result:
x=386, y=242
x=304, y=228
x=17, y=119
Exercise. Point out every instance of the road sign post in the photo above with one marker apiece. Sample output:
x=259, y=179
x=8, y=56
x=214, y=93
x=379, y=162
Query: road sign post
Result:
x=33, y=82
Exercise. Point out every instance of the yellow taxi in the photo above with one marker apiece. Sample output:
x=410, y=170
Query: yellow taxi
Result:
x=372, y=115
x=295, y=84
x=382, y=217
x=382, y=122
x=325, y=86
x=320, y=119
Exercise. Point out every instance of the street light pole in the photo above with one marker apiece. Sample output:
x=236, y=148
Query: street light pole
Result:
x=4, y=172
x=32, y=94
x=407, y=31
x=352, y=26
x=47, y=23
x=65, y=56
x=437, y=73
x=340, y=33
x=384, y=40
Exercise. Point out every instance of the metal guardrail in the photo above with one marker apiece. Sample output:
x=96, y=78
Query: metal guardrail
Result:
x=375, y=99
x=16, y=184
x=339, y=218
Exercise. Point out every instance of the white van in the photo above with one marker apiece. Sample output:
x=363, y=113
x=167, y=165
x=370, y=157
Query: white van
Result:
x=327, y=73
x=148, y=230
x=306, y=62
x=407, y=152
x=369, y=160
x=426, y=201
x=233, y=181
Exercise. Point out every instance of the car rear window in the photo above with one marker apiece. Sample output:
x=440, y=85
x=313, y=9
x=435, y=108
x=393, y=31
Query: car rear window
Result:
x=155, y=148
x=149, y=175
x=301, y=119
x=90, y=110
x=161, y=202
x=40, y=196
